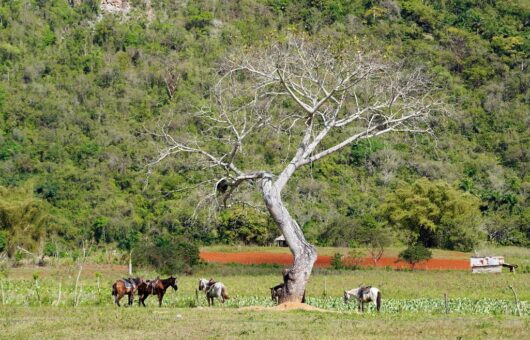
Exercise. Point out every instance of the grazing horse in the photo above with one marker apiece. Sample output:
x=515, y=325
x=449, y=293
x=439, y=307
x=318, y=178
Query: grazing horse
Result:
x=212, y=290
x=156, y=287
x=125, y=287
x=277, y=292
x=364, y=294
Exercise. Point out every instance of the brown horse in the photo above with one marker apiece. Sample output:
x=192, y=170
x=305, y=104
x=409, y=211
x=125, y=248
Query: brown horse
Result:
x=155, y=287
x=278, y=291
x=125, y=287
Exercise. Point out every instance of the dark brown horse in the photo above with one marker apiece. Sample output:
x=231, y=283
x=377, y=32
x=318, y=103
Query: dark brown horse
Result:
x=278, y=291
x=155, y=287
x=125, y=287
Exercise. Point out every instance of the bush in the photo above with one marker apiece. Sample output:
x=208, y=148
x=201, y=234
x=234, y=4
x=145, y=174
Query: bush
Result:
x=336, y=261
x=415, y=254
x=167, y=254
x=3, y=241
x=245, y=225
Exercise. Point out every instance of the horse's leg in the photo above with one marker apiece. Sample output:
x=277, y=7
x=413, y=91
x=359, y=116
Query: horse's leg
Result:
x=118, y=298
x=160, y=297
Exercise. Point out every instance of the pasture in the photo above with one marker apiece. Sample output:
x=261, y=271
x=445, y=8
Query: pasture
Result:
x=44, y=301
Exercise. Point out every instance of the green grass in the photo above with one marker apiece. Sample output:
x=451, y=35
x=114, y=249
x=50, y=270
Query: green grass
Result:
x=254, y=281
x=481, y=305
x=126, y=323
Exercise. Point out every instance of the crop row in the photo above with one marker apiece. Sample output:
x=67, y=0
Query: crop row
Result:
x=27, y=293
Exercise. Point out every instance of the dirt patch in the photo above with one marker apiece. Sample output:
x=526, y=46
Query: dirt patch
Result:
x=325, y=261
x=284, y=307
x=297, y=305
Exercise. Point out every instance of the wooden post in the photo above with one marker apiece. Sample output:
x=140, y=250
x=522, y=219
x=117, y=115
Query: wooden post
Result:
x=130, y=263
x=76, y=297
x=58, y=301
x=446, y=304
x=3, y=294
x=517, y=306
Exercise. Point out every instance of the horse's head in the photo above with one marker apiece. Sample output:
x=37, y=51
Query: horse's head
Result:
x=173, y=282
x=202, y=284
x=346, y=297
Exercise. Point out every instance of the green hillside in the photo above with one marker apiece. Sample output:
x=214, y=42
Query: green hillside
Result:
x=82, y=90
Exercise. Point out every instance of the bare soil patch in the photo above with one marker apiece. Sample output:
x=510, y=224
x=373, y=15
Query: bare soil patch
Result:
x=325, y=261
x=287, y=306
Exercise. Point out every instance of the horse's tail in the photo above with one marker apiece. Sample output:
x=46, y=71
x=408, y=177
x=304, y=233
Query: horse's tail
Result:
x=114, y=291
x=378, y=301
x=224, y=293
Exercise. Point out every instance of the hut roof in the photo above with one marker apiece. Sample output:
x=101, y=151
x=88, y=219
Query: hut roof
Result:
x=280, y=238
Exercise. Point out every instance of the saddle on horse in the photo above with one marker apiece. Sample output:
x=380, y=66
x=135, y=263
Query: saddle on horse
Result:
x=363, y=290
x=210, y=284
x=129, y=283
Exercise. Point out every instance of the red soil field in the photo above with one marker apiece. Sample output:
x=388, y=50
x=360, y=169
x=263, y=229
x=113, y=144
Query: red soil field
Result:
x=325, y=261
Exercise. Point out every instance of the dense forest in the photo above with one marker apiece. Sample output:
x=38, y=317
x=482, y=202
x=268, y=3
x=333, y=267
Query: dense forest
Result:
x=82, y=89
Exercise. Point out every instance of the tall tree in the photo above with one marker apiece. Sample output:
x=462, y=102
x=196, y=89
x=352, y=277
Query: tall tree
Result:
x=325, y=95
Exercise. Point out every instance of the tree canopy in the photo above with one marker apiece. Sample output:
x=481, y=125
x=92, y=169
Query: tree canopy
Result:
x=79, y=88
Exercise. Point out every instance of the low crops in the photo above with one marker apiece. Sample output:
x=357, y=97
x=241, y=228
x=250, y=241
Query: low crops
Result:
x=28, y=293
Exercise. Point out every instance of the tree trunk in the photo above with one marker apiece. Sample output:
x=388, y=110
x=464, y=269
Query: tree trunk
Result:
x=305, y=254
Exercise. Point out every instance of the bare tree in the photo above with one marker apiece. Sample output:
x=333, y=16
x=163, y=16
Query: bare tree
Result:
x=324, y=97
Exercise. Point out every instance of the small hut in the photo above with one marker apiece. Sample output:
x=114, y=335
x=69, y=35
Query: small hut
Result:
x=486, y=264
x=280, y=241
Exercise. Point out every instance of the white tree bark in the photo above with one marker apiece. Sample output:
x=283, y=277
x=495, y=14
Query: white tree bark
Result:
x=338, y=99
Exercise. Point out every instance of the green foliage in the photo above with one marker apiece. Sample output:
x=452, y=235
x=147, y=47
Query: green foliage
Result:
x=24, y=220
x=336, y=261
x=375, y=236
x=434, y=214
x=166, y=254
x=415, y=254
x=241, y=224
x=3, y=241
x=80, y=87
x=361, y=151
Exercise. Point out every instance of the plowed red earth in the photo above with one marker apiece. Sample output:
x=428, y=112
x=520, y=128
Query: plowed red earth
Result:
x=325, y=261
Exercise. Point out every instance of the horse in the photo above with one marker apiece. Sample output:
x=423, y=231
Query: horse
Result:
x=156, y=287
x=125, y=287
x=364, y=294
x=213, y=290
x=277, y=292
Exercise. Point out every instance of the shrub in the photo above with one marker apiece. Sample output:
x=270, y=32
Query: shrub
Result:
x=415, y=254
x=167, y=254
x=336, y=261
x=3, y=241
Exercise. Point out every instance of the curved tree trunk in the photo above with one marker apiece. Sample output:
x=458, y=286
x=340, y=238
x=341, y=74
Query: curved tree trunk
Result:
x=305, y=254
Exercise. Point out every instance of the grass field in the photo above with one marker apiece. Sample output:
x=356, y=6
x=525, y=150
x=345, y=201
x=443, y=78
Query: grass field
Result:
x=128, y=323
x=39, y=302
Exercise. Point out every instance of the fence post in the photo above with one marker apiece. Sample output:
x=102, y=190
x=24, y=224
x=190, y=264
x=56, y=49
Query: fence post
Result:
x=516, y=301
